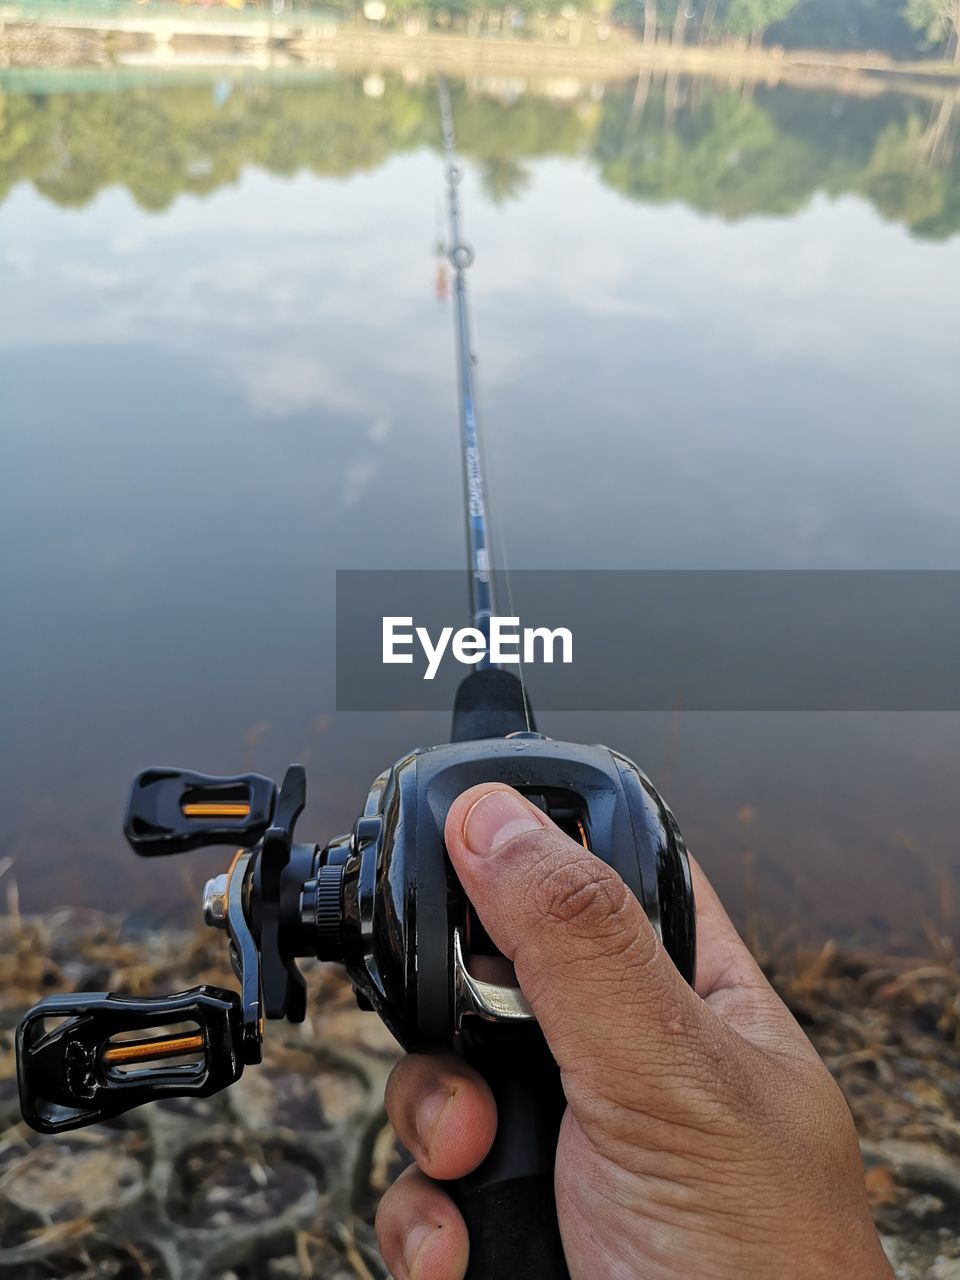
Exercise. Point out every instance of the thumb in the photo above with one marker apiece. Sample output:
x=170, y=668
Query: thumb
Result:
x=620, y=1021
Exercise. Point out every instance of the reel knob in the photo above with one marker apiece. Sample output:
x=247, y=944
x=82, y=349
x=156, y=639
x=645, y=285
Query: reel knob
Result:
x=321, y=911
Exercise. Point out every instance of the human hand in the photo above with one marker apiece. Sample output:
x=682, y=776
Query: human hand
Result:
x=702, y=1137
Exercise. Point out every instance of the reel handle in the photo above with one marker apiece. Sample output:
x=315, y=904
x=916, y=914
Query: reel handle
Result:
x=508, y=1203
x=174, y=810
x=91, y=1056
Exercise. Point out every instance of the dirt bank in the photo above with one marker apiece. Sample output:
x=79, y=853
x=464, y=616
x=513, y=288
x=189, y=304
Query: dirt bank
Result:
x=278, y=1177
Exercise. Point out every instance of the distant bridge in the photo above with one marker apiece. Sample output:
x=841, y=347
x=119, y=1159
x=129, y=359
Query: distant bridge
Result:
x=166, y=21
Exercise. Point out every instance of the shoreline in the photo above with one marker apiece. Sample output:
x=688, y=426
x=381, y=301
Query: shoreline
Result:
x=165, y=41
x=290, y=1161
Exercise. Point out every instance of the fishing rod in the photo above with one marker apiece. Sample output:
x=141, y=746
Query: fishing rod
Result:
x=476, y=507
x=493, y=700
x=383, y=901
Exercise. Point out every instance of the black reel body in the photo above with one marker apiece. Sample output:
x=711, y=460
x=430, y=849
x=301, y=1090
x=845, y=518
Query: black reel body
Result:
x=418, y=955
x=383, y=901
x=407, y=928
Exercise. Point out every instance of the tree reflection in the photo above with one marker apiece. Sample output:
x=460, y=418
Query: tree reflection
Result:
x=731, y=152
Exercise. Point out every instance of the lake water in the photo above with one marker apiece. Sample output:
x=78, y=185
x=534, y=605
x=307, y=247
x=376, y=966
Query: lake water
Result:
x=717, y=328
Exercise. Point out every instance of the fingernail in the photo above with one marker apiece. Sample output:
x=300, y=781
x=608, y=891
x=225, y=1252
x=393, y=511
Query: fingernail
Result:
x=413, y=1242
x=428, y=1113
x=496, y=818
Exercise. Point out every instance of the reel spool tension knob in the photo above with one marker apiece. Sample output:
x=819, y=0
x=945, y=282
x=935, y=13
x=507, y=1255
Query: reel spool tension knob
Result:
x=321, y=911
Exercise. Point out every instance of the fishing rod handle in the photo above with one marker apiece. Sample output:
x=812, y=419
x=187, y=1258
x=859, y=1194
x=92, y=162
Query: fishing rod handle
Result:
x=508, y=1203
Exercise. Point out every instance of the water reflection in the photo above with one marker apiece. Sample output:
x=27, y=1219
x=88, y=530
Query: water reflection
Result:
x=729, y=151
x=226, y=373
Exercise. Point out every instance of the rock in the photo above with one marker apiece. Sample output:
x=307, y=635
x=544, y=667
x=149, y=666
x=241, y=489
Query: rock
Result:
x=252, y=1099
x=362, y=1030
x=309, y=1100
x=59, y=1182
x=916, y=1163
x=925, y=1206
x=919, y=1259
x=341, y=1094
x=86, y=977
x=216, y=1185
x=73, y=929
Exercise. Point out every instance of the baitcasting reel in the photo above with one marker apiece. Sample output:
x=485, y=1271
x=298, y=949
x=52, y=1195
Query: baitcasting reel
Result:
x=385, y=903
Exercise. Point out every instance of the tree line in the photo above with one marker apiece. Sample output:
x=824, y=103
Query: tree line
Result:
x=730, y=153
x=901, y=28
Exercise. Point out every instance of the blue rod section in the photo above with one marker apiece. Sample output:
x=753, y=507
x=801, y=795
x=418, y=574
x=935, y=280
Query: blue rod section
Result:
x=475, y=493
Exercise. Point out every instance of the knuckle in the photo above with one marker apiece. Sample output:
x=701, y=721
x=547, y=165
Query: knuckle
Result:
x=589, y=901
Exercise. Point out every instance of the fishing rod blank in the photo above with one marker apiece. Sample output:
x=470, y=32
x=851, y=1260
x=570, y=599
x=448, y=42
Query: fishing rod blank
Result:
x=490, y=702
x=475, y=496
